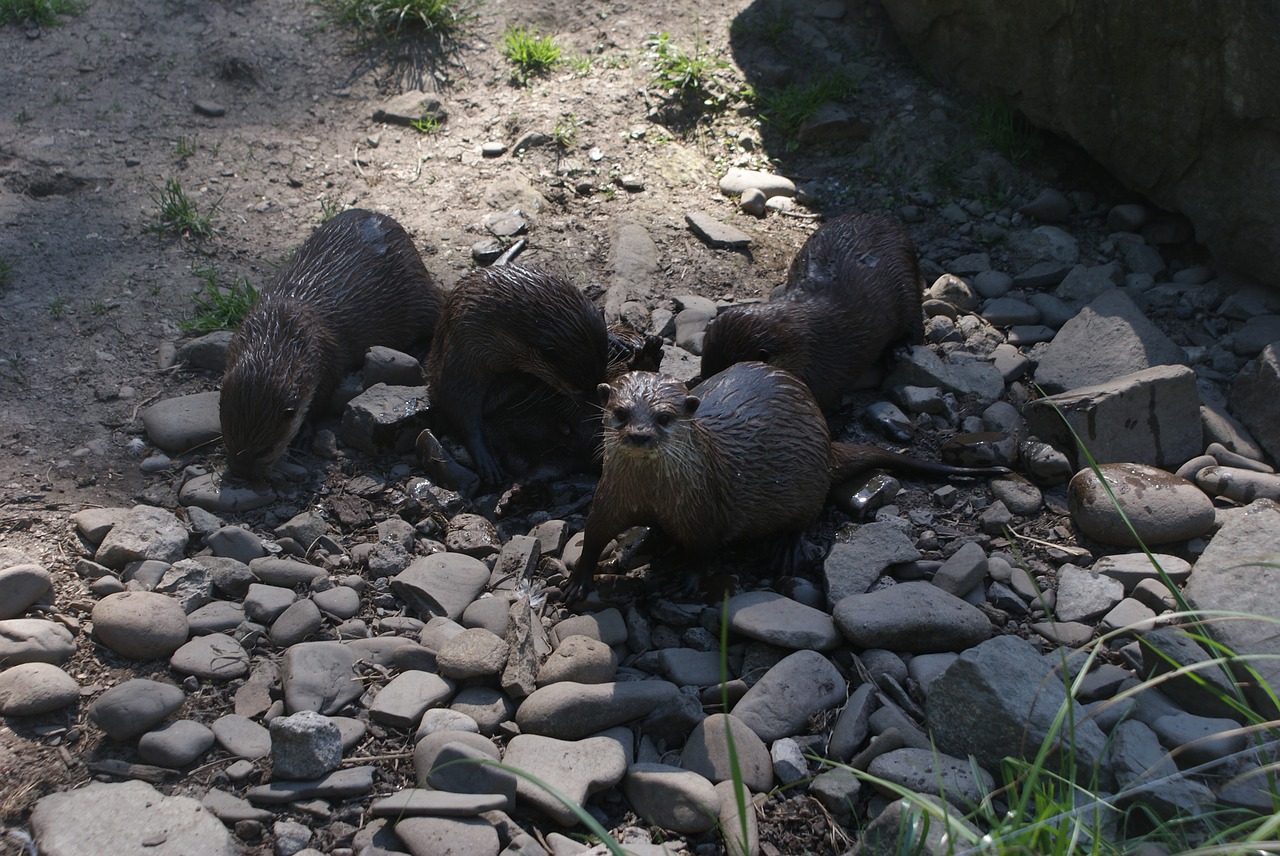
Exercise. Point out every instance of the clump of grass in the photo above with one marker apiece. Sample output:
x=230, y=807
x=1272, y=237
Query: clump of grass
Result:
x=57, y=307
x=387, y=19
x=790, y=107
x=426, y=124
x=185, y=147
x=219, y=307
x=329, y=208
x=565, y=133
x=42, y=12
x=1006, y=130
x=691, y=78
x=529, y=52
x=22, y=117
x=178, y=214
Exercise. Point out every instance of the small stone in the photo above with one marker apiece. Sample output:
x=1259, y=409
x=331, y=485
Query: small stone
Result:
x=1161, y=507
x=31, y=689
x=304, y=745
x=140, y=625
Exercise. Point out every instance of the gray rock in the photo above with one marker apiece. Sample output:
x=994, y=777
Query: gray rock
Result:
x=231, y=809
x=34, y=640
x=207, y=352
x=189, y=583
x=181, y=424
x=304, y=745
x=23, y=585
x=1194, y=740
x=263, y=604
x=441, y=584
x=851, y=567
x=962, y=571
x=347, y=782
x=687, y=667
x=300, y=620
x=287, y=573
x=1240, y=485
x=569, y=710
x=236, y=542
x=798, y=686
x=1085, y=594
x=916, y=617
x=770, y=617
x=130, y=708
x=388, y=366
x=437, y=836
x=706, y=752
x=672, y=798
x=129, y=817
x=1161, y=507
x=738, y=823
x=737, y=180
x=462, y=768
x=1108, y=339
x=789, y=764
x=998, y=699
x=145, y=532
x=488, y=706
x=716, y=234
x=241, y=736
x=140, y=625
x=922, y=367
x=385, y=418
x=407, y=696
x=883, y=835
x=1132, y=568
x=1148, y=417
x=1009, y=311
x=339, y=602
x=319, y=676
x=925, y=771
x=955, y=291
x=216, y=656
x=607, y=626
x=1049, y=206
x=410, y=107
x=851, y=728
x=211, y=493
x=992, y=283
x=30, y=689
x=1147, y=776
x=175, y=744
x=473, y=653
x=1042, y=275
x=577, y=769
x=415, y=802
x=580, y=659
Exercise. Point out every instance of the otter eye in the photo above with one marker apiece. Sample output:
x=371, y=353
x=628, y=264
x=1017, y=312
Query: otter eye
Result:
x=664, y=417
x=621, y=414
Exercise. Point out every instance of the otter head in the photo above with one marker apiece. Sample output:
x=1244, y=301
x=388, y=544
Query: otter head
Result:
x=754, y=332
x=267, y=389
x=642, y=411
x=573, y=350
x=630, y=351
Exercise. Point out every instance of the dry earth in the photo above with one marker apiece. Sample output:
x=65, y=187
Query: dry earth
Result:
x=96, y=115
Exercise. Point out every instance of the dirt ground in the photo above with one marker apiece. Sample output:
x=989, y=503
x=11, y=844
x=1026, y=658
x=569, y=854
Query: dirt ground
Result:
x=98, y=114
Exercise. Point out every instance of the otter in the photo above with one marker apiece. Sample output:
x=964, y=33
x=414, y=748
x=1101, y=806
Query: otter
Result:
x=748, y=455
x=358, y=281
x=853, y=290
x=498, y=324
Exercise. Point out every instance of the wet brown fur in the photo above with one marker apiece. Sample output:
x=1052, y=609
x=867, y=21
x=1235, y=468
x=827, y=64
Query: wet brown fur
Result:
x=748, y=455
x=358, y=281
x=852, y=291
x=500, y=323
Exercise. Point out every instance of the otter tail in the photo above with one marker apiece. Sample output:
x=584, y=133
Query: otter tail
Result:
x=849, y=459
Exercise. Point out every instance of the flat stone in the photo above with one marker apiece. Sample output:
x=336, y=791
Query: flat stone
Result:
x=772, y=618
x=263, y=604
x=145, y=532
x=737, y=180
x=220, y=616
x=385, y=419
x=286, y=573
x=1255, y=398
x=126, y=818
x=211, y=493
x=569, y=711
x=34, y=640
x=340, y=784
x=916, y=617
x=231, y=809
x=140, y=625
x=851, y=567
x=922, y=367
x=319, y=676
x=175, y=744
x=473, y=653
x=241, y=736
x=181, y=424
x=580, y=659
x=577, y=769
x=1162, y=508
x=464, y=768
x=446, y=836
x=797, y=687
x=1085, y=594
x=606, y=626
x=706, y=752
x=924, y=771
x=217, y=657
x=130, y=708
x=716, y=234
x=23, y=585
x=407, y=696
x=31, y=689
x=1132, y=568
x=1147, y=776
x=441, y=584
x=300, y=620
x=414, y=802
x=672, y=798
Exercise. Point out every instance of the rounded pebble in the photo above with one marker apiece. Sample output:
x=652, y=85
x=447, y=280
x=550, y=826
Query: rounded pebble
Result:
x=31, y=689
x=1161, y=507
x=140, y=625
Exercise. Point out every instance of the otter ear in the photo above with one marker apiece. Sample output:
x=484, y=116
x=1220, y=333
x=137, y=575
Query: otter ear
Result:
x=763, y=355
x=691, y=403
x=603, y=391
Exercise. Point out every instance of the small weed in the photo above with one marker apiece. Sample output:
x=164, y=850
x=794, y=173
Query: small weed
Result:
x=218, y=307
x=23, y=117
x=787, y=109
x=581, y=65
x=178, y=214
x=6, y=271
x=57, y=307
x=98, y=307
x=530, y=53
x=60, y=98
x=1006, y=130
x=691, y=78
x=565, y=132
x=329, y=208
x=114, y=107
x=42, y=12
x=185, y=147
x=388, y=19
x=427, y=124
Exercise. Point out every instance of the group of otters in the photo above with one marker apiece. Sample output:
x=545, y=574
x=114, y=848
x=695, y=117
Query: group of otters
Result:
x=521, y=368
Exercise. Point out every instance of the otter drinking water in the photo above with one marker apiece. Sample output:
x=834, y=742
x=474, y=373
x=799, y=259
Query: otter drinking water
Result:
x=503, y=322
x=853, y=290
x=358, y=281
x=748, y=455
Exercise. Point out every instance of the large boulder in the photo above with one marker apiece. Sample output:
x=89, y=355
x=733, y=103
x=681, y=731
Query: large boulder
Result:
x=1177, y=102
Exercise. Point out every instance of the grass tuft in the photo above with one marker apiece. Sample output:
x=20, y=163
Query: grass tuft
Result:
x=179, y=214
x=693, y=79
x=218, y=307
x=1006, y=130
x=42, y=12
x=388, y=19
x=788, y=108
x=529, y=52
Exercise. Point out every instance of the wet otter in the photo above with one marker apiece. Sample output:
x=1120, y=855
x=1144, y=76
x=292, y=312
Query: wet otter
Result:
x=358, y=281
x=503, y=322
x=853, y=290
x=748, y=455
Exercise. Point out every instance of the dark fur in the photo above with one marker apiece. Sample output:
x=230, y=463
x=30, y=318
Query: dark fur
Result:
x=852, y=291
x=502, y=322
x=358, y=281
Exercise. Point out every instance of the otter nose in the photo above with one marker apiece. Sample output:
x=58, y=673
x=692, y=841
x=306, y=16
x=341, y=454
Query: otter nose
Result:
x=641, y=438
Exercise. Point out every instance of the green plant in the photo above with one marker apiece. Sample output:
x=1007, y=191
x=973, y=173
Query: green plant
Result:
x=185, y=147
x=57, y=307
x=690, y=78
x=565, y=132
x=219, y=307
x=1006, y=130
x=581, y=65
x=22, y=117
x=529, y=52
x=98, y=307
x=42, y=12
x=788, y=108
x=390, y=18
x=426, y=124
x=178, y=214
x=329, y=208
